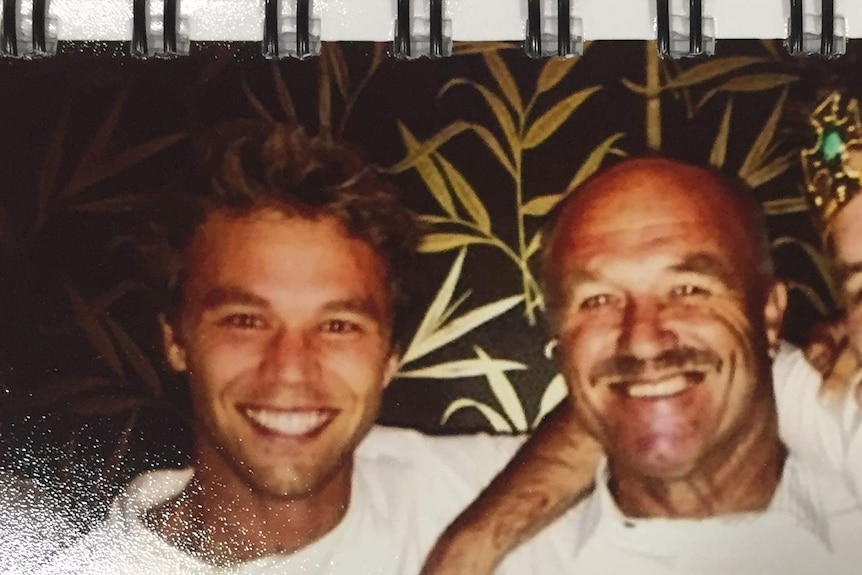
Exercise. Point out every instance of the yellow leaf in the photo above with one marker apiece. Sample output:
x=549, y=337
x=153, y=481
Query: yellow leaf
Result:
x=772, y=170
x=429, y=146
x=534, y=245
x=429, y=172
x=542, y=205
x=335, y=59
x=785, y=206
x=593, y=161
x=712, y=69
x=461, y=326
x=497, y=106
x=495, y=147
x=432, y=243
x=460, y=369
x=553, y=72
x=505, y=80
x=719, y=148
x=550, y=121
x=756, y=154
x=750, y=83
x=504, y=391
x=497, y=421
x=467, y=195
x=553, y=395
x=463, y=48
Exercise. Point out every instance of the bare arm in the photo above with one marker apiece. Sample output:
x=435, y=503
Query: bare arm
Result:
x=551, y=472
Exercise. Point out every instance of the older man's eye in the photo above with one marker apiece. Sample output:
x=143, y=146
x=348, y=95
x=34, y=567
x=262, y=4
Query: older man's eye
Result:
x=689, y=290
x=596, y=301
x=340, y=327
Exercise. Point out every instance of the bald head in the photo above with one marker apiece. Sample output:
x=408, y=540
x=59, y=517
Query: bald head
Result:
x=657, y=192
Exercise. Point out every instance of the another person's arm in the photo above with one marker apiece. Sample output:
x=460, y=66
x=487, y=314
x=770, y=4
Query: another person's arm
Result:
x=551, y=472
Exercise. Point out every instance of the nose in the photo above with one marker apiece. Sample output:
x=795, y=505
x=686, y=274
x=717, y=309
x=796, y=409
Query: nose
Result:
x=291, y=357
x=644, y=334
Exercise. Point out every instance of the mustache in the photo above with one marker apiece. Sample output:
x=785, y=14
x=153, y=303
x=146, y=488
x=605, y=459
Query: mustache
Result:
x=684, y=358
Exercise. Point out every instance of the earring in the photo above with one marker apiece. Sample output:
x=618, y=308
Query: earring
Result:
x=550, y=347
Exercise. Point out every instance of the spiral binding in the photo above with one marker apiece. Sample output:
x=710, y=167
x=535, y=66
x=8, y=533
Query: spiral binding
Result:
x=796, y=41
x=695, y=28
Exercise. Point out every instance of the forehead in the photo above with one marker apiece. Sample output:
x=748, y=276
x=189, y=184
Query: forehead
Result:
x=275, y=254
x=645, y=214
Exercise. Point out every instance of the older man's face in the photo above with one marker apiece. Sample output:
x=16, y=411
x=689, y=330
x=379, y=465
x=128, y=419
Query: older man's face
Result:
x=661, y=327
x=847, y=240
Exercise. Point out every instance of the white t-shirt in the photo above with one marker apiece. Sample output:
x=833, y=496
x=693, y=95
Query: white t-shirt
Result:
x=406, y=488
x=812, y=527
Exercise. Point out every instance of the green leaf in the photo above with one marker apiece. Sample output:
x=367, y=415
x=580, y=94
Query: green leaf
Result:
x=433, y=243
x=429, y=146
x=505, y=80
x=554, y=70
x=497, y=106
x=594, y=161
x=91, y=159
x=123, y=161
x=749, y=83
x=497, y=421
x=504, y=391
x=467, y=195
x=553, y=395
x=758, y=151
x=87, y=319
x=460, y=326
x=547, y=124
x=785, y=206
x=461, y=369
x=429, y=172
x=712, y=69
x=135, y=356
x=437, y=308
x=542, y=205
x=719, y=149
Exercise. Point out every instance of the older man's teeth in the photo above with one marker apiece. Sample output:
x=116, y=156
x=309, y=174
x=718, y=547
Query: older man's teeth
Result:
x=295, y=423
x=661, y=388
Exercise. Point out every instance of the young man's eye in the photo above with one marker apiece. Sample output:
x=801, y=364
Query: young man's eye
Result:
x=688, y=290
x=243, y=321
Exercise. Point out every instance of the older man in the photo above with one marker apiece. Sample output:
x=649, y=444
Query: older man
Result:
x=662, y=301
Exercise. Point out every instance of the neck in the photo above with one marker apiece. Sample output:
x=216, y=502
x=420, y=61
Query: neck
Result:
x=740, y=475
x=224, y=521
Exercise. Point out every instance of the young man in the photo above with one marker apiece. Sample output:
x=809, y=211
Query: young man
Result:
x=284, y=314
x=595, y=247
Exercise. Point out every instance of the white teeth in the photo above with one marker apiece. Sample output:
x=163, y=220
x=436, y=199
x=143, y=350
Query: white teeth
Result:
x=296, y=423
x=661, y=388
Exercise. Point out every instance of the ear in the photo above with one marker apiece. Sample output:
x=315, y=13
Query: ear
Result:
x=392, y=365
x=773, y=312
x=174, y=351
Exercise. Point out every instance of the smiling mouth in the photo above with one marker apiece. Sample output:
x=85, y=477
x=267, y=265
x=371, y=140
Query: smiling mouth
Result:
x=292, y=423
x=659, y=387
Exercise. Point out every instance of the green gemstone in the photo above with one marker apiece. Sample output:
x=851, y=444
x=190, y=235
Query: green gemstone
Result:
x=831, y=145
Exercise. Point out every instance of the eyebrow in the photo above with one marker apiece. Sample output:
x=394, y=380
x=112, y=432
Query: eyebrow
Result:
x=232, y=295
x=707, y=264
x=361, y=306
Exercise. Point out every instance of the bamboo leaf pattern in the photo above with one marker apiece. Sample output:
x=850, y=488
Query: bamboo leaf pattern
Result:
x=467, y=195
x=505, y=81
x=497, y=422
x=429, y=172
x=544, y=127
x=462, y=368
x=553, y=395
x=554, y=70
x=504, y=391
x=719, y=149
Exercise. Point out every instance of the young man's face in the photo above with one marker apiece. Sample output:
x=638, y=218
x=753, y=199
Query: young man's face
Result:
x=284, y=334
x=658, y=321
x=847, y=241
